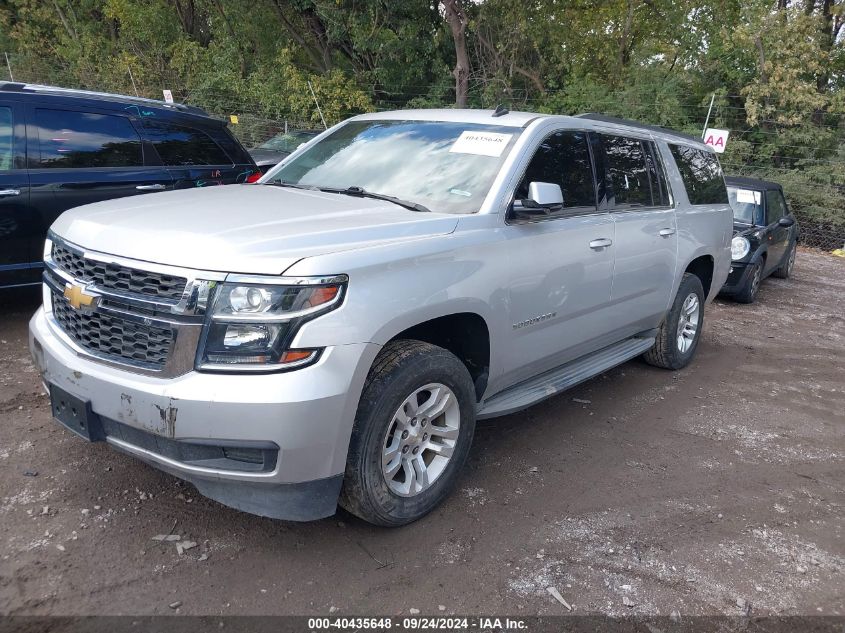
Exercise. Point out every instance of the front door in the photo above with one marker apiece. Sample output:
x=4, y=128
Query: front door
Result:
x=561, y=265
x=777, y=235
x=17, y=223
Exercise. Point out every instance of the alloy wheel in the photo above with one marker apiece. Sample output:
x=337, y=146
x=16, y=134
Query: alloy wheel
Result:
x=421, y=439
x=688, y=322
x=755, y=281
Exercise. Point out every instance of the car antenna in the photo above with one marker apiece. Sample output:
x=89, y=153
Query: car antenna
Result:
x=500, y=111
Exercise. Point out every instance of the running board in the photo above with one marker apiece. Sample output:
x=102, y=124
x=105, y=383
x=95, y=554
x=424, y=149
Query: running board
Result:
x=561, y=378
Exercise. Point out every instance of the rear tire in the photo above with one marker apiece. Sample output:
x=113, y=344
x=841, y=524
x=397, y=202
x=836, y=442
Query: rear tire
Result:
x=785, y=269
x=678, y=336
x=748, y=292
x=412, y=434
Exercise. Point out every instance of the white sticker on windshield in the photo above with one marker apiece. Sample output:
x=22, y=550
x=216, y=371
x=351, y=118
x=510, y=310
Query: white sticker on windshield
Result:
x=481, y=143
x=747, y=195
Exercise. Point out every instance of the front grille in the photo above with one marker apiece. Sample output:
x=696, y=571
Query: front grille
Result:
x=113, y=337
x=110, y=276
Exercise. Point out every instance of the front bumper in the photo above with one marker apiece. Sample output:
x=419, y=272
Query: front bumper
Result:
x=300, y=421
x=737, y=278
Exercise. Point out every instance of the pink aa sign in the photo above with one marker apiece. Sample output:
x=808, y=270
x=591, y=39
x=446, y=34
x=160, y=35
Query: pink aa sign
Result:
x=717, y=139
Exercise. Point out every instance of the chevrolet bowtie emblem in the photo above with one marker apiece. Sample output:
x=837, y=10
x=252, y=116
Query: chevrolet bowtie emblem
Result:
x=77, y=298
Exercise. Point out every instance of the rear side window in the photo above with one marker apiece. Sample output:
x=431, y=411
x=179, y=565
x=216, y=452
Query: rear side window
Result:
x=701, y=174
x=178, y=145
x=85, y=139
x=627, y=171
x=563, y=159
x=232, y=147
x=657, y=176
x=6, y=129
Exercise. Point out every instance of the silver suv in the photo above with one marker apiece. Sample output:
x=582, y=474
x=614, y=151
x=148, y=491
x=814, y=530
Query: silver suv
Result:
x=332, y=333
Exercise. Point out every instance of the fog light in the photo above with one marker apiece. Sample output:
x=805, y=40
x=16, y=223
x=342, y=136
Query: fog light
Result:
x=249, y=455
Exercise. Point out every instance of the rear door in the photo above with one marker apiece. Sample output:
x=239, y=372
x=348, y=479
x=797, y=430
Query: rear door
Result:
x=646, y=231
x=80, y=156
x=17, y=224
x=196, y=156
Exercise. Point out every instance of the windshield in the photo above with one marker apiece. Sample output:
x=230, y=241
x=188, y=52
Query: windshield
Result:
x=288, y=141
x=747, y=205
x=446, y=167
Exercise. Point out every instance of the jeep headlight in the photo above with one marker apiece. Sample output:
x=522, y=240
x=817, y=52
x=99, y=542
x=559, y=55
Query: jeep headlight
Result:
x=254, y=320
x=739, y=247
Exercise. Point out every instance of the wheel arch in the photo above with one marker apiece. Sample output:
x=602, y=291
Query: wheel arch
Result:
x=465, y=333
x=702, y=267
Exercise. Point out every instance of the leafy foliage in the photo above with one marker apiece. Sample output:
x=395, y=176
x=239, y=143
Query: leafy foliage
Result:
x=775, y=67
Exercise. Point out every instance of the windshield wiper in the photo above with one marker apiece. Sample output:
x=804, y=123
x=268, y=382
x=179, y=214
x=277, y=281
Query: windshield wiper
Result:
x=363, y=193
x=292, y=185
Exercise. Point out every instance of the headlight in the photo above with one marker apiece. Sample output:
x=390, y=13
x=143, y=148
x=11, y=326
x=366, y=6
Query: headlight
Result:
x=252, y=323
x=739, y=247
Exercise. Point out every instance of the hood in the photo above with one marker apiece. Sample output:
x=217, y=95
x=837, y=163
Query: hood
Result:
x=257, y=229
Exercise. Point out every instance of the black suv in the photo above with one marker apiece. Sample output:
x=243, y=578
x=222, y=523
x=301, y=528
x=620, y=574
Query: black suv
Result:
x=64, y=148
x=764, y=238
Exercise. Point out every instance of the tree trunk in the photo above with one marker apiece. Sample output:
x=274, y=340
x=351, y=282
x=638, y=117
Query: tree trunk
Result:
x=457, y=19
x=532, y=76
x=231, y=31
x=828, y=37
x=625, y=39
x=320, y=55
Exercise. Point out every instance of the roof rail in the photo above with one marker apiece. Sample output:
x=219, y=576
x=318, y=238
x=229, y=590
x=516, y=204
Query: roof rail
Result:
x=16, y=86
x=603, y=118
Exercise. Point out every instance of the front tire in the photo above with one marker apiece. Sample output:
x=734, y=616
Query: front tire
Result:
x=412, y=434
x=785, y=269
x=748, y=292
x=678, y=336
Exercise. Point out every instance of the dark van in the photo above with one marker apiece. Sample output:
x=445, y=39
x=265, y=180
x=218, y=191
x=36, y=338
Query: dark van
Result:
x=63, y=148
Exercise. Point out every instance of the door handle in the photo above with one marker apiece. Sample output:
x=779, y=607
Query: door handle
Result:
x=602, y=242
x=666, y=232
x=155, y=187
x=9, y=192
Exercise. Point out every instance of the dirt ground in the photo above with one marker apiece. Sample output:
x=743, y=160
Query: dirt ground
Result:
x=718, y=489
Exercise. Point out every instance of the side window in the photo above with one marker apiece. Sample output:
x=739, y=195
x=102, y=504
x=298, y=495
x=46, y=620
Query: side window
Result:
x=564, y=159
x=6, y=138
x=702, y=175
x=85, y=139
x=775, y=206
x=627, y=171
x=232, y=147
x=178, y=145
x=657, y=176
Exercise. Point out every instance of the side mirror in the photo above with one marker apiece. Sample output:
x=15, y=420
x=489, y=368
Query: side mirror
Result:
x=786, y=222
x=543, y=198
x=545, y=194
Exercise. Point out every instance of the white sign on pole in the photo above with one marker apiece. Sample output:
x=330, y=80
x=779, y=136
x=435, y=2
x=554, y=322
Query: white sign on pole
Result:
x=168, y=96
x=717, y=139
